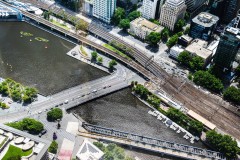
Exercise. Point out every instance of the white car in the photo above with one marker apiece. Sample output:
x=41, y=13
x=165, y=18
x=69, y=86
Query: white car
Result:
x=66, y=101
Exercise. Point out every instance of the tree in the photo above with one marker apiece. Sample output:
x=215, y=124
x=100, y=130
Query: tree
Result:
x=154, y=21
x=53, y=147
x=142, y=91
x=223, y=143
x=119, y=14
x=172, y=41
x=100, y=60
x=111, y=64
x=153, y=38
x=94, y=55
x=196, y=63
x=81, y=25
x=232, y=94
x=184, y=58
x=187, y=30
x=124, y=24
x=54, y=114
x=32, y=126
x=165, y=34
x=133, y=15
x=179, y=25
x=187, y=16
x=207, y=80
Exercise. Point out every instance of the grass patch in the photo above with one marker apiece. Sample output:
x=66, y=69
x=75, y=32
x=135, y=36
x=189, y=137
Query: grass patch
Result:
x=3, y=142
x=117, y=51
x=59, y=24
x=83, y=51
x=16, y=152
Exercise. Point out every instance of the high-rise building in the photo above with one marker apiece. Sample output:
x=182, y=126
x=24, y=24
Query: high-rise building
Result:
x=104, y=9
x=88, y=7
x=194, y=5
x=230, y=10
x=227, y=48
x=149, y=9
x=203, y=25
x=171, y=12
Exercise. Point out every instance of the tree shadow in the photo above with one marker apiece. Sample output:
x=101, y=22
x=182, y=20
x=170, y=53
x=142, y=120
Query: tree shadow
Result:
x=152, y=48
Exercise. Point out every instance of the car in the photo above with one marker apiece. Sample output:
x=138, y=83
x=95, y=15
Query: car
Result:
x=109, y=86
x=60, y=104
x=104, y=87
x=94, y=91
x=56, y=105
x=83, y=95
x=39, y=112
x=88, y=93
x=42, y=133
x=66, y=101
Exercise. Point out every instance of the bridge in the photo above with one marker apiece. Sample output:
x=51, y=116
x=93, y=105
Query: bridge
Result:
x=151, y=144
x=72, y=97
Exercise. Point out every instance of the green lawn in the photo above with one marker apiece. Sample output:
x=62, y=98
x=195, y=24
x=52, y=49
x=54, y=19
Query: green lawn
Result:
x=15, y=151
x=117, y=51
x=59, y=25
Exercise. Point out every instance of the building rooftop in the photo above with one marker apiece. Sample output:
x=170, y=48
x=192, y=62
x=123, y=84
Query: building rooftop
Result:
x=199, y=48
x=18, y=138
x=177, y=48
x=205, y=19
x=186, y=38
x=88, y=151
x=142, y=22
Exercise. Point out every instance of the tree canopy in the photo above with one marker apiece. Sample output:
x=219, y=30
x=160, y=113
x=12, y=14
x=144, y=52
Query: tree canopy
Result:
x=153, y=38
x=165, y=34
x=172, y=41
x=232, y=94
x=133, y=15
x=179, y=25
x=119, y=14
x=94, y=55
x=124, y=24
x=184, y=58
x=31, y=125
x=196, y=63
x=53, y=147
x=207, y=80
x=81, y=25
x=111, y=64
x=54, y=114
x=223, y=143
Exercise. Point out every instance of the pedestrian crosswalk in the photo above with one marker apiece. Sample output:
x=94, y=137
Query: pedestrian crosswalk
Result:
x=61, y=133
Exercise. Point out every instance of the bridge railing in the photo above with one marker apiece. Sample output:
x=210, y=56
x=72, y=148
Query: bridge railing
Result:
x=152, y=141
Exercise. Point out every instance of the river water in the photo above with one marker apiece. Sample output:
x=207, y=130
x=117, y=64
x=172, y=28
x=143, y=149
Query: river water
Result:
x=42, y=65
x=123, y=111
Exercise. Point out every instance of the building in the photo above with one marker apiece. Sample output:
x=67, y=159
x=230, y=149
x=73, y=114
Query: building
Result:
x=16, y=138
x=88, y=7
x=203, y=25
x=175, y=51
x=184, y=40
x=199, y=48
x=104, y=9
x=149, y=9
x=142, y=27
x=195, y=6
x=88, y=151
x=171, y=12
x=9, y=13
x=230, y=10
x=227, y=48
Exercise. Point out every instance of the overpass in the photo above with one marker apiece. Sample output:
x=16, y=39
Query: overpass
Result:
x=150, y=144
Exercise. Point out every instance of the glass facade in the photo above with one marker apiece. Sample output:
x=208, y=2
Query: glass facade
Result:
x=227, y=50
